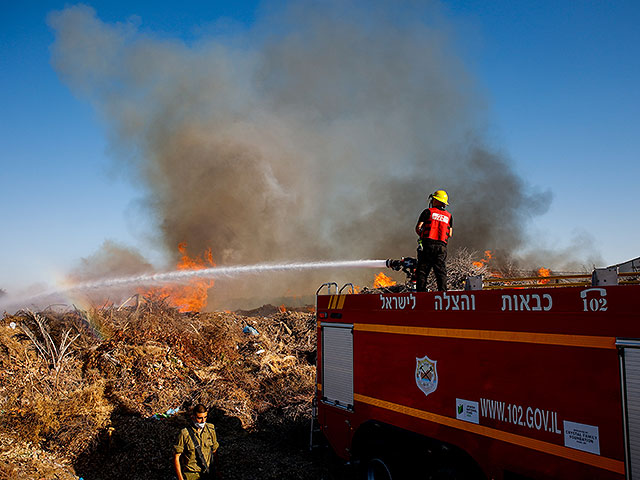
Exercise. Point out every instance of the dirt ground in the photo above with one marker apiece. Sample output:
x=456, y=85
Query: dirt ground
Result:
x=102, y=394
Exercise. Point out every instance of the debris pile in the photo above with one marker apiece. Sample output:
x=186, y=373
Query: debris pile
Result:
x=102, y=393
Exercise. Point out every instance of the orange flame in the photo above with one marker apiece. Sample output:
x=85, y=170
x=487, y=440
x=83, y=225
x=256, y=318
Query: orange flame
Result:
x=193, y=296
x=543, y=272
x=382, y=280
x=488, y=255
x=282, y=308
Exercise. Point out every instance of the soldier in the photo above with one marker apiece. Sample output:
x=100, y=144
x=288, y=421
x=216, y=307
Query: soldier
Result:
x=196, y=448
x=434, y=227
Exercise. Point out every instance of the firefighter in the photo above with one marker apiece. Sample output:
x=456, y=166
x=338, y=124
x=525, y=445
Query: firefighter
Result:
x=196, y=449
x=434, y=227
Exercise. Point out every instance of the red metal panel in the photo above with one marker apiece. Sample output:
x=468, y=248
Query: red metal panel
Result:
x=563, y=383
x=336, y=426
x=493, y=456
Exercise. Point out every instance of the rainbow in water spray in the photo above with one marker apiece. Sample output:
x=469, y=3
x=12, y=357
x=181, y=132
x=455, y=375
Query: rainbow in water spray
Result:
x=216, y=272
x=179, y=276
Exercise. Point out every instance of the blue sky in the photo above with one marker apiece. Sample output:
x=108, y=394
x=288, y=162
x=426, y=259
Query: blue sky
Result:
x=560, y=81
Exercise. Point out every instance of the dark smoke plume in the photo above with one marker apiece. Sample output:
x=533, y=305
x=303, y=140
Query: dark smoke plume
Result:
x=316, y=134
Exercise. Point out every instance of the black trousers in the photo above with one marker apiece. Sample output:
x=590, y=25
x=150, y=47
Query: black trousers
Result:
x=432, y=255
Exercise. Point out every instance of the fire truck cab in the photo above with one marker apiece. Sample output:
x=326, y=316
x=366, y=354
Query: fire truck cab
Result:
x=508, y=383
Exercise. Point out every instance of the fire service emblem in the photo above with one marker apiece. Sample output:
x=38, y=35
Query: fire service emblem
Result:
x=426, y=375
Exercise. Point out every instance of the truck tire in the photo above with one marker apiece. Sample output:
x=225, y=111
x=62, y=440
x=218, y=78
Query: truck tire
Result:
x=384, y=452
x=377, y=468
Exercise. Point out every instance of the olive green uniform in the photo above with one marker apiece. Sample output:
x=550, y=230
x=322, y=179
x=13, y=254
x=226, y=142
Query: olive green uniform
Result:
x=188, y=460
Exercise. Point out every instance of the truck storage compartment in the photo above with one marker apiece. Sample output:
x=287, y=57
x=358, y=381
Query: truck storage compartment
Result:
x=337, y=364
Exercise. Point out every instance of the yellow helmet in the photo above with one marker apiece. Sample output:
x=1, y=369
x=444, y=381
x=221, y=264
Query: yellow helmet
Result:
x=441, y=196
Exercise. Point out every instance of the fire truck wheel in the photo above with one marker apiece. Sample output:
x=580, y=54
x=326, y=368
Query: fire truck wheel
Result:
x=377, y=469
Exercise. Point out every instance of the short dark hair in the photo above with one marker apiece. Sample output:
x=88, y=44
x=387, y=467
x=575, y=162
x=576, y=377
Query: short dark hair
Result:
x=199, y=408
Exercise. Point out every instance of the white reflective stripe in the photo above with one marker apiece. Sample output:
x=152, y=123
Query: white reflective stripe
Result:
x=337, y=364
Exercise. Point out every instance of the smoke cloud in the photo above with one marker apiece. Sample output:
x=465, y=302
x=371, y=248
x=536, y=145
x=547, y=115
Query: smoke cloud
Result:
x=111, y=260
x=315, y=134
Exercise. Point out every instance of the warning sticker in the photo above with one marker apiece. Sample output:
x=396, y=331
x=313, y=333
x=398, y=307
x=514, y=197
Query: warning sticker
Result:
x=581, y=437
x=467, y=410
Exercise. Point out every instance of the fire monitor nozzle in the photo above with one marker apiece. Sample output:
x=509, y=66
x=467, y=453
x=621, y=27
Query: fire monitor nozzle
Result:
x=406, y=264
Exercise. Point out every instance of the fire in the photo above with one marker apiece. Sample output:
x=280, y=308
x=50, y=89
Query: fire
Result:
x=282, y=308
x=193, y=296
x=543, y=272
x=488, y=255
x=382, y=280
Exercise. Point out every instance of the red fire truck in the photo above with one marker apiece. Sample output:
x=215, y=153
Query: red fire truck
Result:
x=505, y=383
